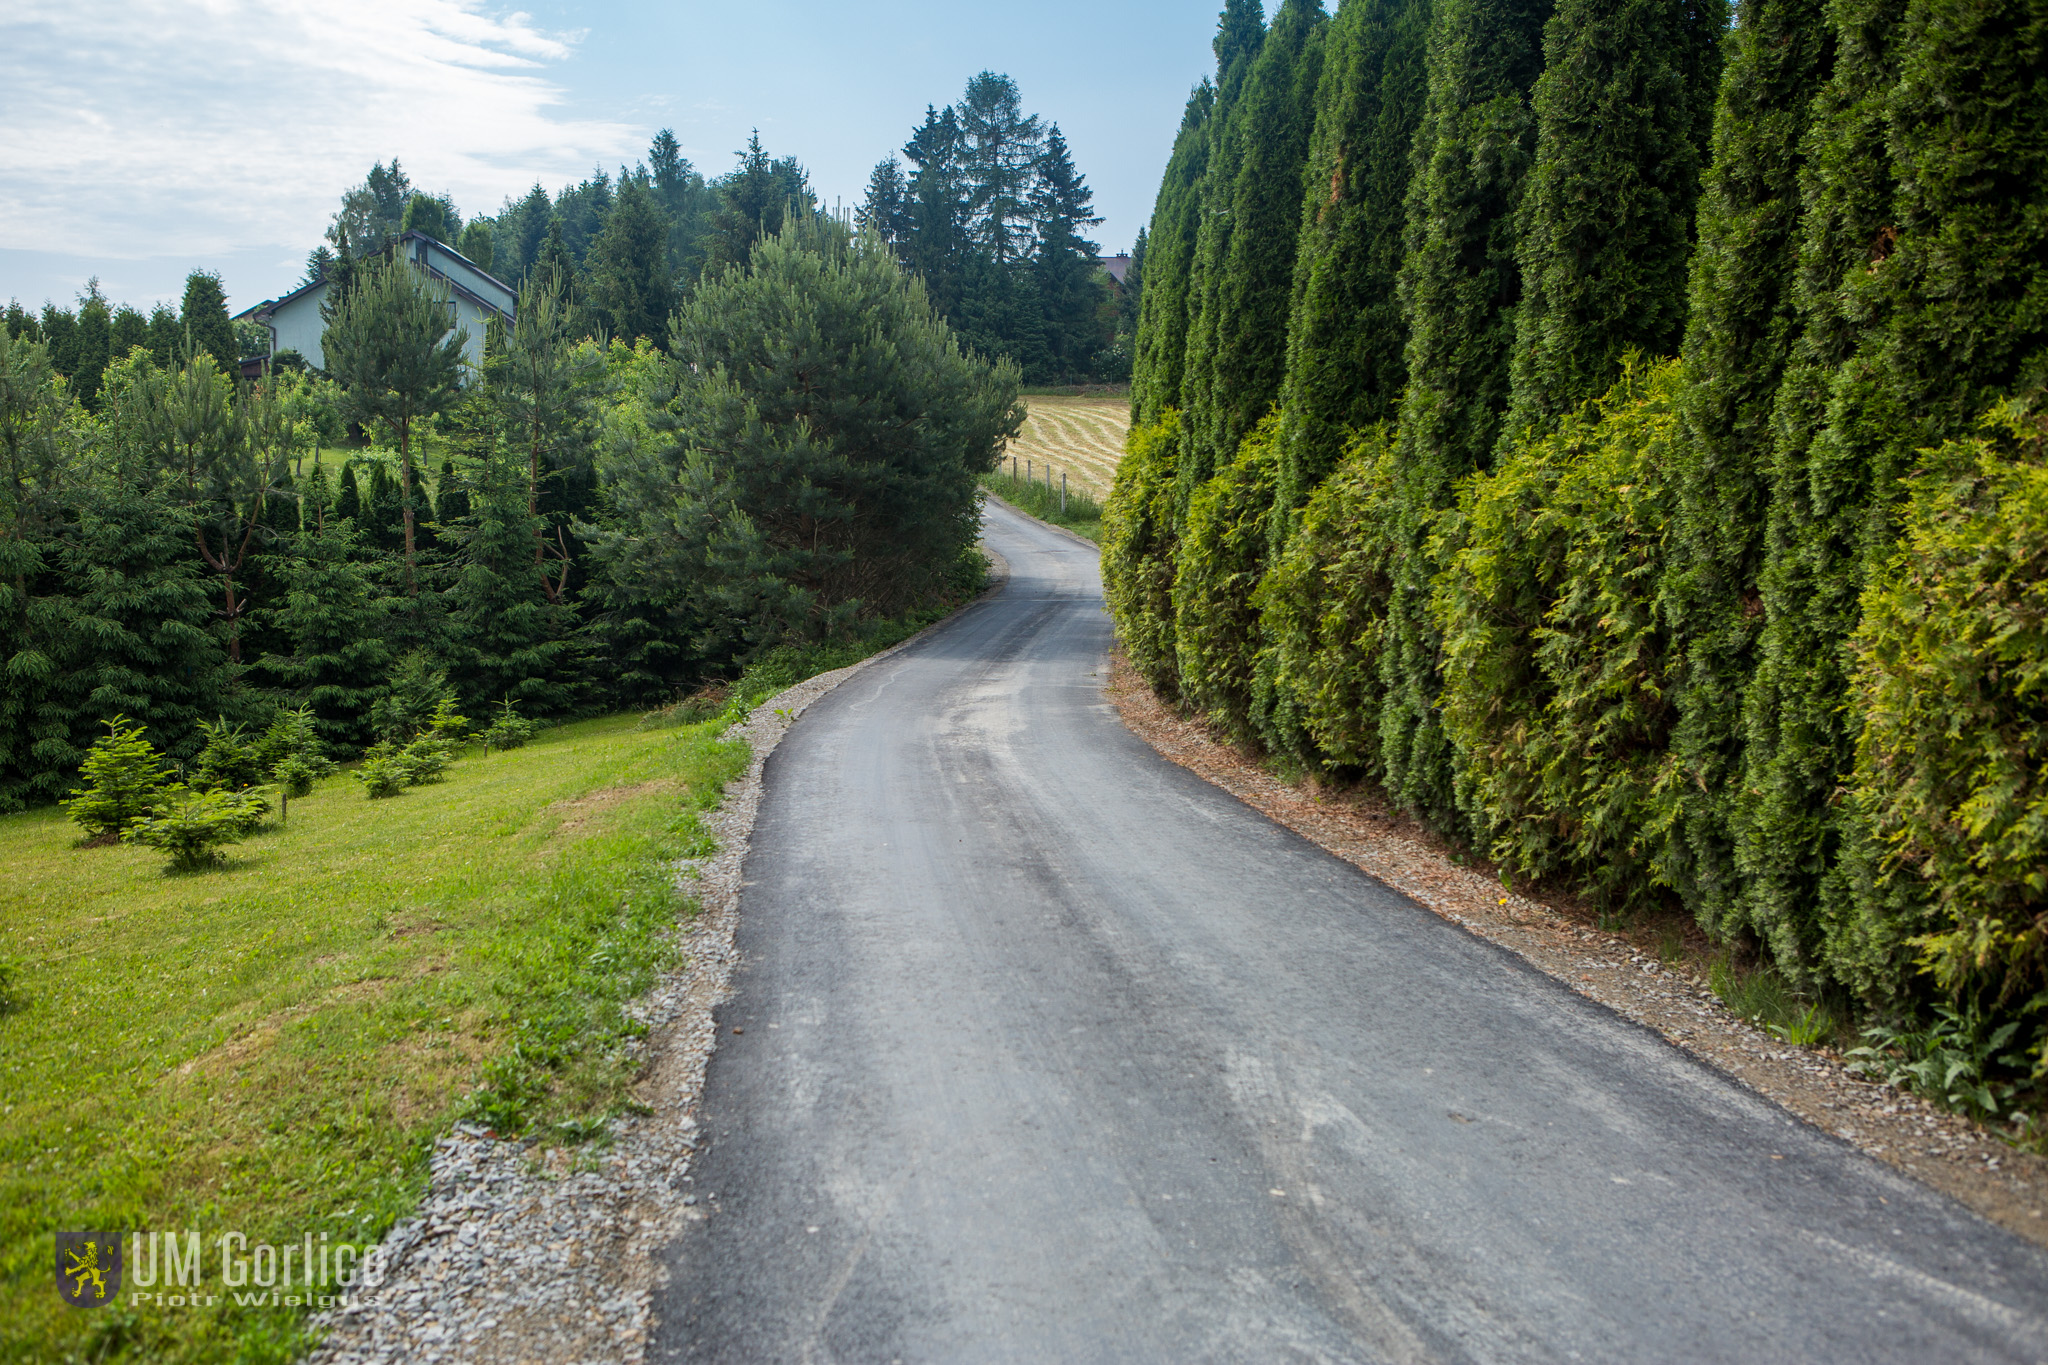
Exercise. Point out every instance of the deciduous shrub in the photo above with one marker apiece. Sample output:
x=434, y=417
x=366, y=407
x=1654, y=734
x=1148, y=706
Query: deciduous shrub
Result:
x=1322, y=612
x=1138, y=536
x=1556, y=659
x=193, y=826
x=124, y=777
x=1219, y=562
x=1951, y=680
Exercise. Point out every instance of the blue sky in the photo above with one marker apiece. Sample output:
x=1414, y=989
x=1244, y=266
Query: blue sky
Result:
x=146, y=137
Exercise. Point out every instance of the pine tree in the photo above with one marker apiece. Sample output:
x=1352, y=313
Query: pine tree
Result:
x=630, y=285
x=1160, y=355
x=1459, y=287
x=1346, y=339
x=387, y=342
x=203, y=319
x=1624, y=110
x=1740, y=327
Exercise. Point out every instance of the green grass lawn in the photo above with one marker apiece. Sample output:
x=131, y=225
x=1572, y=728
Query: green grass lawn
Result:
x=271, y=1047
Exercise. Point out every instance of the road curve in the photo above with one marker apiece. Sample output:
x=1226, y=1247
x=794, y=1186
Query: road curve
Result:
x=1043, y=1049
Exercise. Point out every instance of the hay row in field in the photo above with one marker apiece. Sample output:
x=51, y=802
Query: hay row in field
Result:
x=1082, y=437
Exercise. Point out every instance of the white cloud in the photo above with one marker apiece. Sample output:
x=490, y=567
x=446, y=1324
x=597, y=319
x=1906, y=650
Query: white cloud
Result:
x=138, y=127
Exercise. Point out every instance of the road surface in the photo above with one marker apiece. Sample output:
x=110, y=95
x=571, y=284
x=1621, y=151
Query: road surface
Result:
x=1044, y=1049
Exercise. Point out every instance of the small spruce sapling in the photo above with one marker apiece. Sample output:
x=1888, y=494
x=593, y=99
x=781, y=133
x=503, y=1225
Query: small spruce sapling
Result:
x=228, y=762
x=192, y=826
x=508, y=729
x=124, y=778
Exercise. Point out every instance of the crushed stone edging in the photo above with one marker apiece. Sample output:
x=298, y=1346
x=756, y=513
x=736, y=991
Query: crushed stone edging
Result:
x=522, y=1252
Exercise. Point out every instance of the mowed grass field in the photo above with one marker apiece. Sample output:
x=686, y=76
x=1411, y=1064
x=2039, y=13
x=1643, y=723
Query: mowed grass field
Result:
x=271, y=1047
x=1083, y=436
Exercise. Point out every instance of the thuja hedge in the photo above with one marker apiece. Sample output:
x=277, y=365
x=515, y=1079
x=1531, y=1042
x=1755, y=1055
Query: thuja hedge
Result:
x=1561, y=646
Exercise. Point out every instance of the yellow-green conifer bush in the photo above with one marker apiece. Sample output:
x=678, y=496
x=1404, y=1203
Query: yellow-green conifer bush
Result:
x=1556, y=659
x=1219, y=561
x=1951, y=778
x=1139, y=531
x=1322, y=613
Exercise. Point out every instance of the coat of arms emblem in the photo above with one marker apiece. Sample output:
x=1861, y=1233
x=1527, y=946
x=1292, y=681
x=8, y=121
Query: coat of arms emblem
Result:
x=88, y=1268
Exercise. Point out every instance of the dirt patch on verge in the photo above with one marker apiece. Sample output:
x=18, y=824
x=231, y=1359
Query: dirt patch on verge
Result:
x=574, y=815
x=1941, y=1149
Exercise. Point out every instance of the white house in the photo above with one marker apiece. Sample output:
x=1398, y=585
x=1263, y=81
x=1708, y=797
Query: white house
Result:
x=295, y=323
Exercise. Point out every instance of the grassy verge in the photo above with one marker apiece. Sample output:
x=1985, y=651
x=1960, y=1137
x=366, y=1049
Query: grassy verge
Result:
x=271, y=1047
x=1081, y=514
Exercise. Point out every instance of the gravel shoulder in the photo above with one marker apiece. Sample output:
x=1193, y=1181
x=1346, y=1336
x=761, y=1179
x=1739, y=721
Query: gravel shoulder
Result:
x=528, y=1252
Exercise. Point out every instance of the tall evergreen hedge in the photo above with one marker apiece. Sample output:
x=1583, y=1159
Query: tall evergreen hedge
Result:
x=1345, y=335
x=1257, y=224
x=1623, y=112
x=1163, y=303
x=1459, y=287
x=1741, y=324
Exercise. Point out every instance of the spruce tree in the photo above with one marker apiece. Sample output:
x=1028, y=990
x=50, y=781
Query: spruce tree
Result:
x=130, y=330
x=203, y=318
x=1740, y=327
x=509, y=639
x=336, y=622
x=1459, y=287
x=631, y=288
x=1345, y=338
x=1160, y=353
x=451, y=504
x=166, y=338
x=1069, y=280
x=383, y=519
x=95, y=344
x=1624, y=109
x=999, y=153
x=882, y=210
x=935, y=243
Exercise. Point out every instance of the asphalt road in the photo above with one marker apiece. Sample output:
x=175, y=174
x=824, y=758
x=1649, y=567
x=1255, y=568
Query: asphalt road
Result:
x=1043, y=1049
